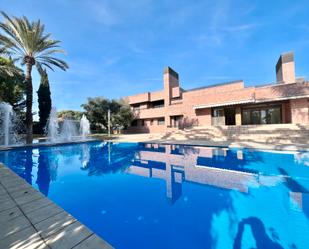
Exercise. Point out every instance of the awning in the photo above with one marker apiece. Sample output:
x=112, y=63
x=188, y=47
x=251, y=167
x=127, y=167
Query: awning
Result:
x=247, y=101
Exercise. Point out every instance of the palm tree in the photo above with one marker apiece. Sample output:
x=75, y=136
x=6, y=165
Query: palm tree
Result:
x=27, y=43
x=7, y=67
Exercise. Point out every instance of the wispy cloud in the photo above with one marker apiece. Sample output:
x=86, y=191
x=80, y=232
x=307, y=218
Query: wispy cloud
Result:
x=103, y=13
x=225, y=24
x=239, y=28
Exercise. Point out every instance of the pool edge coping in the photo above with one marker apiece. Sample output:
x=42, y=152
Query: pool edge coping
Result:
x=28, y=192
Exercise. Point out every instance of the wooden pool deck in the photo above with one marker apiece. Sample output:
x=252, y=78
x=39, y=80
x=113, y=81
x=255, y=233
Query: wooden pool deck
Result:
x=28, y=219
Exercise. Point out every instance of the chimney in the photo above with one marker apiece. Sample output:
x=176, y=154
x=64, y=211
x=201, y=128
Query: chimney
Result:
x=171, y=90
x=171, y=85
x=285, y=68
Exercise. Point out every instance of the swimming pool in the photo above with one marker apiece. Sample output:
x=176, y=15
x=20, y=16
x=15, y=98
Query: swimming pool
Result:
x=137, y=195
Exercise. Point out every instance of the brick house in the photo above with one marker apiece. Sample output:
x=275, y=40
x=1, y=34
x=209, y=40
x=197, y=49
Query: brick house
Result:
x=229, y=103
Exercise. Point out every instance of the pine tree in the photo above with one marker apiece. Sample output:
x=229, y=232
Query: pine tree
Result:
x=44, y=100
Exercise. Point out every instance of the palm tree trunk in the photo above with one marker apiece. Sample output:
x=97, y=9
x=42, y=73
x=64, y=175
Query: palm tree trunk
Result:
x=29, y=100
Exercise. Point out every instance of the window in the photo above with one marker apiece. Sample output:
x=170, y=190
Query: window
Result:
x=157, y=104
x=136, y=107
x=262, y=115
x=218, y=113
x=161, y=121
x=218, y=116
x=142, y=122
x=176, y=121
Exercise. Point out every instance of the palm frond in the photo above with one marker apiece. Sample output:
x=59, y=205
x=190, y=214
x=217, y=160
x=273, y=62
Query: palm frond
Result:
x=53, y=62
x=24, y=39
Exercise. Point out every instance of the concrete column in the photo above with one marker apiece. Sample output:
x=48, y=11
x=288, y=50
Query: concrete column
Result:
x=238, y=116
x=171, y=80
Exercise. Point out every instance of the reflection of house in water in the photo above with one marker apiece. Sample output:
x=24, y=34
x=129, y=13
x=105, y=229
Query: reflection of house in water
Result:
x=217, y=167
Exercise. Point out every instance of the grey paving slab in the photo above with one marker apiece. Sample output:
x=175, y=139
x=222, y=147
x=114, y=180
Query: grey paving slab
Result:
x=24, y=190
x=43, y=213
x=29, y=220
x=69, y=237
x=7, y=205
x=25, y=239
x=27, y=197
x=10, y=180
x=2, y=190
x=54, y=224
x=13, y=226
x=9, y=214
x=93, y=242
x=34, y=205
x=5, y=197
x=17, y=187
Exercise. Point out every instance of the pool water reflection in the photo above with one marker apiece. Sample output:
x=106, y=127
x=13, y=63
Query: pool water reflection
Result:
x=171, y=196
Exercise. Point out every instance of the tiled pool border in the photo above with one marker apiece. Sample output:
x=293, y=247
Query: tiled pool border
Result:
x=286, y=148
x=28, y=219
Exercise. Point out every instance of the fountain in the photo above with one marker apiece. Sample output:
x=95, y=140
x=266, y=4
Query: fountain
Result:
x=7, y=125
x=84, y=127
x=68, y=130
x=52, y=128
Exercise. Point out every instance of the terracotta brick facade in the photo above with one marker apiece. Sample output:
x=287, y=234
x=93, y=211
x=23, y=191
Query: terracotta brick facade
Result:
x=229, y=103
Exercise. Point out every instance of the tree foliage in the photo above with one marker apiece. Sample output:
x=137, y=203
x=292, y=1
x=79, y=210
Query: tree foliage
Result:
x=12, y=88
x=70, y=114
x=96, y=110
x=44, y=101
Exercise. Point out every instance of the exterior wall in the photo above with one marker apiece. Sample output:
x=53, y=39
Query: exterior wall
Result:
x=195, y=105
x=286, y=112
x=293, y=110
x=300, y=111
x=154, y=96
x=148, y=127
x=281, y=91
x=139, y=98
x=204, y=116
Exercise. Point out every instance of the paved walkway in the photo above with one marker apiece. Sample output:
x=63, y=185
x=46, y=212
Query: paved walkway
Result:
x=30, y=220
x=159, y=138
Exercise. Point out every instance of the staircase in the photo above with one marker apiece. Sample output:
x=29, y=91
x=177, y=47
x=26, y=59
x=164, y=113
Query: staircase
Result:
x=279, y=134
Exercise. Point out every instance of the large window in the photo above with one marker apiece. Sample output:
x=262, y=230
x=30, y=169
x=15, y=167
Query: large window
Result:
x=218, y=116
x=261, y=115
x=217, y=113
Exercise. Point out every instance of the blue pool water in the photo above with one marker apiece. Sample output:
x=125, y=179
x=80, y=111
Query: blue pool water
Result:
x=169, y=196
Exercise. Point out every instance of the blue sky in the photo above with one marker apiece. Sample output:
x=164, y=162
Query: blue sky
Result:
x=117, y=48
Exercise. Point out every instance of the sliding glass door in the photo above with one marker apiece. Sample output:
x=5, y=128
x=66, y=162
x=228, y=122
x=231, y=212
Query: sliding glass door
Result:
x=261, y=115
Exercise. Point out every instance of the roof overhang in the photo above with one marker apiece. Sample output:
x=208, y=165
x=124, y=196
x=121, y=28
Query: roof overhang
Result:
x=248, y=101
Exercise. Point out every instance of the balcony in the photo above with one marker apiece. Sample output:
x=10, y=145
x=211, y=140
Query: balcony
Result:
x=149, y=113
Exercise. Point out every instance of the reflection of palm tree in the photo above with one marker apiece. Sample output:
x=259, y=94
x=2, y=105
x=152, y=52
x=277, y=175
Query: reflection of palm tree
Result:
x=259, y=233
x=28, y=166
x=43, y=178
